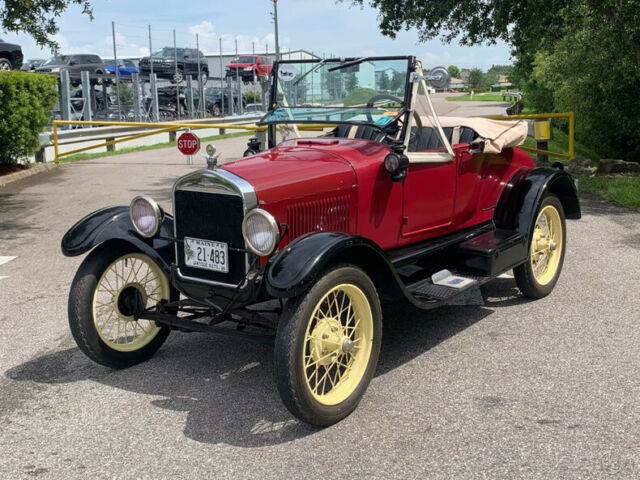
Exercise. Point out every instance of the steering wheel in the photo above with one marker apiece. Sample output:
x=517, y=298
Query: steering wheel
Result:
x=385, y=96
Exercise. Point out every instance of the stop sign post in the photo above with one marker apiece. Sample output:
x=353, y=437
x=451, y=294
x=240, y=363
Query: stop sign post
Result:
x=188, y=144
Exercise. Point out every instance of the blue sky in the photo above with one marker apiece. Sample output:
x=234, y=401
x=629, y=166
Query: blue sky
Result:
x=321, y=26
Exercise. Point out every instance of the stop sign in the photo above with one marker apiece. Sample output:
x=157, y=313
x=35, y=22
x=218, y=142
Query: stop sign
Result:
x=188, y=143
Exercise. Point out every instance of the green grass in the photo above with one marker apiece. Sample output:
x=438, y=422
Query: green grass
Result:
x=560, y=144
x=143, y=148
x=624, y=190
x=478, y=97
x=359, y=96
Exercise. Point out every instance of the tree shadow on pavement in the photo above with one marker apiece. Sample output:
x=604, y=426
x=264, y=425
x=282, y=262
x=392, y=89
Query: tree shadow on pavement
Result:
x=227, y=386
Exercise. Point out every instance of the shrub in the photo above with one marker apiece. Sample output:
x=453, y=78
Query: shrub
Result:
x=253, y=97
x=25, y=102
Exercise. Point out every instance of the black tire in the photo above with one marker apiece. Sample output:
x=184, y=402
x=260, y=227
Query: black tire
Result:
x=216, y=111
x=5, y=64
x=524, y=274
x=290, y=344
x=80, y=309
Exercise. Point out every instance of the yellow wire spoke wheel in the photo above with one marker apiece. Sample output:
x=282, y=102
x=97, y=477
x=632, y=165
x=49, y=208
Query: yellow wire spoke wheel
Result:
x=130, y=283
x=327, y=346
x=537, y=277
x=337, y=344
x=546, y=245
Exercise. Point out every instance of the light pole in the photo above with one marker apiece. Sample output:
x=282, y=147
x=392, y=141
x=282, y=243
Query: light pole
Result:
x=275, y=21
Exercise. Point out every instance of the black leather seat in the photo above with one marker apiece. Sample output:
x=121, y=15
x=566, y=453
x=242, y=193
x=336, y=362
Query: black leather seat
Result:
x=364, y=132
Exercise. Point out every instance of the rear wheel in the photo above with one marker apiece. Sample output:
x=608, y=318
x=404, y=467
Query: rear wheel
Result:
x=5, y=64
x=538, y=276
x=110, y=286
x=327, y=346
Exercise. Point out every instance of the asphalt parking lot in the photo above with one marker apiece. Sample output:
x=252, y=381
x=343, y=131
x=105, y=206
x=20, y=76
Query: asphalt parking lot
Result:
x=509, y=389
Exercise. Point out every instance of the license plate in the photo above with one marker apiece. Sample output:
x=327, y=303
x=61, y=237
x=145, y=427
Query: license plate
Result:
x=206, y=254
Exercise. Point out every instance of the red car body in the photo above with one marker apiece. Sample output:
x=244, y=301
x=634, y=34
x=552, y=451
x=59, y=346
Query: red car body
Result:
x=341, y=185
x=249, y=67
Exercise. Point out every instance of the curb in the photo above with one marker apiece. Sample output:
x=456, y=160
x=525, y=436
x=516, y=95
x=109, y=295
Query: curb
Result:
x=29, y=172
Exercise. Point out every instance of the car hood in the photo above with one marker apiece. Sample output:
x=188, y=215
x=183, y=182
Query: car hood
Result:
x=300, y=168
x=239, y=65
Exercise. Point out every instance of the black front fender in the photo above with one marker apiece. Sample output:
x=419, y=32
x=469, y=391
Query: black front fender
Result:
x=114, y=224
x=298, y=266
x=522, y=197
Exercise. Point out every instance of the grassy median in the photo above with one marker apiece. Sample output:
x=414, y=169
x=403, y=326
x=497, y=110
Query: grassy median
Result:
x=478, y=97
x=624, y=190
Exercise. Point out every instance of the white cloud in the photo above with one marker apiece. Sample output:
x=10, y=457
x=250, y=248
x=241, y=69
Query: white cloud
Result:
x=209, y=40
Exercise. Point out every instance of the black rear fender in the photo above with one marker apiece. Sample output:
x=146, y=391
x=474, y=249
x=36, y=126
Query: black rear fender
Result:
x=299, y=265
x=521, y=199
x=112, y=224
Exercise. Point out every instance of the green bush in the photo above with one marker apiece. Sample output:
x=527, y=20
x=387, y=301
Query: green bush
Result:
x=25, y=102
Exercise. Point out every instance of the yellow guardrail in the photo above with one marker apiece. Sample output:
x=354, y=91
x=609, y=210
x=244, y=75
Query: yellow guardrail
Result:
x=164, y=127
x=159, y=127
x=570, y=116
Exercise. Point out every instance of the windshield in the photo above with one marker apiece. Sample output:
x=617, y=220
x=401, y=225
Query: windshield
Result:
x=57, y=60
x=168, y=52
x=335, y=91
x=244, y=60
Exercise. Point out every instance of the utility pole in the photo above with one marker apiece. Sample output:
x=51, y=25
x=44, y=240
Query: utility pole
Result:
x=275, y=21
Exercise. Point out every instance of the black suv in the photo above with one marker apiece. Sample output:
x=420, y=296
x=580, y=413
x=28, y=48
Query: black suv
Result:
x=164, y=64
x=10, y=56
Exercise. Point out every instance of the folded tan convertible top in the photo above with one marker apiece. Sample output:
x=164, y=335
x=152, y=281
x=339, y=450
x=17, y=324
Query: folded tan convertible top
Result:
x=497, y=134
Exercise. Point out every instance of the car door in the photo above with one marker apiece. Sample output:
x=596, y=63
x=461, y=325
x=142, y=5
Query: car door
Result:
x=430, y=185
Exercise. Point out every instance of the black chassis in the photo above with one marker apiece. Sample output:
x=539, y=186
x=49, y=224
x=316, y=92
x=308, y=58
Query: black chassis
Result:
x=481, y=252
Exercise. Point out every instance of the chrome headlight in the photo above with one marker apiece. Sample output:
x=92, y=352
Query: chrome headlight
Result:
x=146, y=216
x=261, y=232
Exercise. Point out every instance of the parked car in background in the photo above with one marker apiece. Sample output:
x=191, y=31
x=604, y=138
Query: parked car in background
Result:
x=126, y=67
x=190, y=61
x=74, y=64
x=10, y=56
x=31, y=64
x=215, y=103
x=255, y=109
x=249, y=67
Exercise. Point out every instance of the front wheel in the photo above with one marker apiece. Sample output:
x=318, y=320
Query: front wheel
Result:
x=111, y=285
x=537, y=277
x=327, y=346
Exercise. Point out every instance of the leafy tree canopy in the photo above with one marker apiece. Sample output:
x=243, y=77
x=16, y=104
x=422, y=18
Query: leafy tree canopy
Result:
x=454, y=71
x=37, y=17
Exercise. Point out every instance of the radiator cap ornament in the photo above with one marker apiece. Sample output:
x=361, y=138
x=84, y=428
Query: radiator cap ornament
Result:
x=211, y=157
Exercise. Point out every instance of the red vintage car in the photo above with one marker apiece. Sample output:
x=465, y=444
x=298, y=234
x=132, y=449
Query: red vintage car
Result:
x=250, y=67
x=305, y=239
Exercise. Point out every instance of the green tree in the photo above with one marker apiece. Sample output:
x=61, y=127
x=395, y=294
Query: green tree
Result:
x=476, y=78
x=454, y=71
x=38, y=18
x=397, y=82
x=350, y=82
x=384, y=84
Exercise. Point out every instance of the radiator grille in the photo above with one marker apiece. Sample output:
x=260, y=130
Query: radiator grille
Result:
x=327, y=214
x=211, y=216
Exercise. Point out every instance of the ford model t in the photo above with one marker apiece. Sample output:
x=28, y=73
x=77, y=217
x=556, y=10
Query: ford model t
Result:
x=305, y=239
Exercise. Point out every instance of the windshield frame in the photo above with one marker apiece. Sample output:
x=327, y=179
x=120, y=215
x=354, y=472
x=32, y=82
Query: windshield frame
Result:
x=271, y=107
